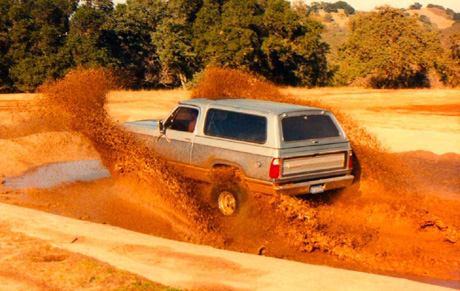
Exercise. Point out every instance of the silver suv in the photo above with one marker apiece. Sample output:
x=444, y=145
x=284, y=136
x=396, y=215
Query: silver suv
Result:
x=277, y=148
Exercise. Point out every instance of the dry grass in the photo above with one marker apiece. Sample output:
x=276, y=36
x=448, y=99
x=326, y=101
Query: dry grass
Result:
x=437, y=17
x=31, y=264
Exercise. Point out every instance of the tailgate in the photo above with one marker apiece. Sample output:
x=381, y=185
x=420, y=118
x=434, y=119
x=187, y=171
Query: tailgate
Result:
x=314, y=164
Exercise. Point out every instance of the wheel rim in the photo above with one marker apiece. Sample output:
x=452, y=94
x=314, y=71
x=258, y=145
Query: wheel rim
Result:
x=227, y=203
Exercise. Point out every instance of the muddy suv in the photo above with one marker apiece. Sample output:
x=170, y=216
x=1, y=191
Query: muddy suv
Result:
x=275, y=148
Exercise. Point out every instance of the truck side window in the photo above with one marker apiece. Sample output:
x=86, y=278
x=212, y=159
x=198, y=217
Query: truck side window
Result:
x=235, y=125
x=183, y=119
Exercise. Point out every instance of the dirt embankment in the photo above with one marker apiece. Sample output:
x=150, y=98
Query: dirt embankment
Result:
x=400, y=217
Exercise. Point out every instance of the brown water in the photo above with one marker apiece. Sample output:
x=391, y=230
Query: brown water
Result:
x=55, y=174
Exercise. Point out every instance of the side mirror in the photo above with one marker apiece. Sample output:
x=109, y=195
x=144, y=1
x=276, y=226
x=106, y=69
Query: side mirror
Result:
x=162, y=129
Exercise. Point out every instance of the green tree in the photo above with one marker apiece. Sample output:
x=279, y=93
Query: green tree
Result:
x=332, y=7
x=37, y=31
x=227, y=33
x=416, y=6
x=5, y=62
x=388, y=49
x=173, y=41
x=294, y=51
x=348, y=9
x=238, y=40
x=456, y=17
x=130, y=47
x=86, y=44
x=133, y=25
x=454, y=49
x=207, y=31
x=435, y=6
x=264, y=37
x=449, y=69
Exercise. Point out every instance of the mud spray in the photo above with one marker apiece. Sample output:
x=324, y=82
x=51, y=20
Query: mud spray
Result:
x=78, y=102
x=385, y=222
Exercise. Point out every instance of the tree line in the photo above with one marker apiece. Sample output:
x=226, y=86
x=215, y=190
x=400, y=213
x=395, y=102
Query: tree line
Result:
x=169, y=43
x=158, y=43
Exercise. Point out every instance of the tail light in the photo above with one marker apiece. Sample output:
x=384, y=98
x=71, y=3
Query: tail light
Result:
x=275, y=169
x=350, y=160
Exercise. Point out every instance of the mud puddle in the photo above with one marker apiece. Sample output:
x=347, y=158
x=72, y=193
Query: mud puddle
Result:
x=101, y=201
x=55, y=174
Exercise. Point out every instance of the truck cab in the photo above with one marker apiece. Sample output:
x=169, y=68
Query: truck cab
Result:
x=278, y=148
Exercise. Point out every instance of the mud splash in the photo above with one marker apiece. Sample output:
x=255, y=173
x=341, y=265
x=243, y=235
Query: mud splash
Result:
x=385, y=221
x=78, y=102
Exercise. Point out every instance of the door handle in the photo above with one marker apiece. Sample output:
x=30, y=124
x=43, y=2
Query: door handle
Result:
x=188, y=139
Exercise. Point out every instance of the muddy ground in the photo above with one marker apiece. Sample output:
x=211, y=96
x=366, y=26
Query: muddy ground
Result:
x=402, y=221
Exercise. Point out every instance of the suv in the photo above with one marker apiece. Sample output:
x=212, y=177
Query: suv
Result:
x=277, y=148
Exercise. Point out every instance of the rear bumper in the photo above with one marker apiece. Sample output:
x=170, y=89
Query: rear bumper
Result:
x=293, y=189
x=304, y=187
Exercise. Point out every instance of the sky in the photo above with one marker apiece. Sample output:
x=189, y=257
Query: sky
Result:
x=368, y=5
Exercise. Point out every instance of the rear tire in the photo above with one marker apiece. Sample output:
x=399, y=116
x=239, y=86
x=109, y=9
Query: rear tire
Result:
x=227, y=203
x=228, y=192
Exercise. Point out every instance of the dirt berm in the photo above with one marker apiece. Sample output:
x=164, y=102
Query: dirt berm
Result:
x=189, y=266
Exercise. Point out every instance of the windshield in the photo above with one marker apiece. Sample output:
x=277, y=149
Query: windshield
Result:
x=304, y=127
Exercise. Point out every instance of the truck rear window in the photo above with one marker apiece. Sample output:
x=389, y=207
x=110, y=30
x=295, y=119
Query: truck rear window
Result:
x=235, y=125
x=304, y=127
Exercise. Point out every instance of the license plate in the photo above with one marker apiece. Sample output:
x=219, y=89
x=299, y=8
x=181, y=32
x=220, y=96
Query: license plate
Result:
x=317, y=189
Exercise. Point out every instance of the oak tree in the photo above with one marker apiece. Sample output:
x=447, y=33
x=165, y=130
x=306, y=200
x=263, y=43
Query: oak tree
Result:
x=389, y=49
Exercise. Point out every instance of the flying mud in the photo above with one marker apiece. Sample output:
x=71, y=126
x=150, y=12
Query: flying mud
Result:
x=389, y=221
x=78, y=101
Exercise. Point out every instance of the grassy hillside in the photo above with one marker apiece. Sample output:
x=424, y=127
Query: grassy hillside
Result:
x=437, y=17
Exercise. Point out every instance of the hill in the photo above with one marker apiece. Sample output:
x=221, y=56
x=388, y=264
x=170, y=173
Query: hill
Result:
x=437, y=17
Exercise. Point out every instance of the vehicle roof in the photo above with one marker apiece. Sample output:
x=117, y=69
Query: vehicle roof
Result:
x=251, y=104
